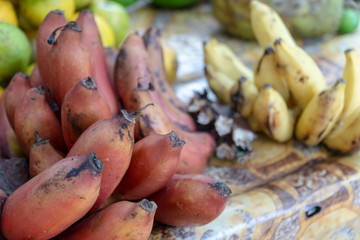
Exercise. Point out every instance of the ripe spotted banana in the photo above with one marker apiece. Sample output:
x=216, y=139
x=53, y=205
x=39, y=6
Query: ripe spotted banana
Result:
x=272, y=114
x=267, y=71
x=351, y=76
x=219, y=83
x=223, y=59
x=301, y=72
x=320, y=115
x=345, y=137
x=267, y=25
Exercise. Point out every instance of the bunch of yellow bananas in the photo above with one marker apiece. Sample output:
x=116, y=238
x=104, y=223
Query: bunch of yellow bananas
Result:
x=287, y=95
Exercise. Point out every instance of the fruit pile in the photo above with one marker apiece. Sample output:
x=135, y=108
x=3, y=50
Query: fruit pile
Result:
x=286, y=94
x=304, y=18
x=108, y=146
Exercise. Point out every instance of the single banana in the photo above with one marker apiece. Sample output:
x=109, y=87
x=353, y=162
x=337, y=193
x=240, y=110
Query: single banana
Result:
x=321, y=114
x=351, y=76
x=220, y=84
x=266, y=71
x=267, y=25
x=300, y=71
x=243, y=95
x=272, y=114
x=223, y=59
x=345, y=137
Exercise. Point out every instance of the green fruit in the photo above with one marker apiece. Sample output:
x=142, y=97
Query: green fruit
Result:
x=116, y=15
x=349, y=21
x=174, y=3
x=15, y=51
x=125, y=2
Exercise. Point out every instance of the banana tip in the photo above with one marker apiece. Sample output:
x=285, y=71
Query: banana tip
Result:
x=148, y=206
x=277, y=41
x=269, y=50
x=222, y=188
x=349, y=50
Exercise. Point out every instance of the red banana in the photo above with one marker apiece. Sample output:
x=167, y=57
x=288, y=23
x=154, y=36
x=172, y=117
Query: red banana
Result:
x=152, y=42
x=133, y=85
x=35, y=77
x=190, y=200
x=163, y=93
x=110, y=56
x=199, y=145
x=3, y=197
x=14, y=92
x=154, y=161
x=113, y=140
x=133, y=51
x=34, y=113
x=53, y=20
x=14, y=172
x=42, y=155
x=82, y=106
x=92, y=39
x=121, y=220
x=69, y=60
x=53, y=200
x=9, y=144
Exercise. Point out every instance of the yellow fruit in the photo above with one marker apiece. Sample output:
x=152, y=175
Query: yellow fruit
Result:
x=170, y=62
x=105, y=30
x=117, y=17
x=35, y=11
x=7, y=12
x=15, y=51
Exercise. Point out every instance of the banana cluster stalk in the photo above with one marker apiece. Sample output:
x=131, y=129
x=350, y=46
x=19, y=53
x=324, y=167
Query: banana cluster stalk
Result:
x=287, y=95
x=267, y=25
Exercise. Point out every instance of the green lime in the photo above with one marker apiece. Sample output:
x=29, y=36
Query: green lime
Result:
x=15, y=51
x=117, y=17
x=174, y=3
x=125, y=2
x=349, y=21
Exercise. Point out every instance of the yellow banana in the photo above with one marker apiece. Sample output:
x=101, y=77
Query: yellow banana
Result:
x=243, y=95
x=267, y=25
x=300, y=71
x=320, y=115
x=223, y=59
x=219, y=83
x=170, y=61
x=345, y=137
x=266, y=71
x=351, y=76
x=272, y=114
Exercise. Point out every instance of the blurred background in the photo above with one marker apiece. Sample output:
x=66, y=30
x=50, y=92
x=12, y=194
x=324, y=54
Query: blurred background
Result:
x=185, y=25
